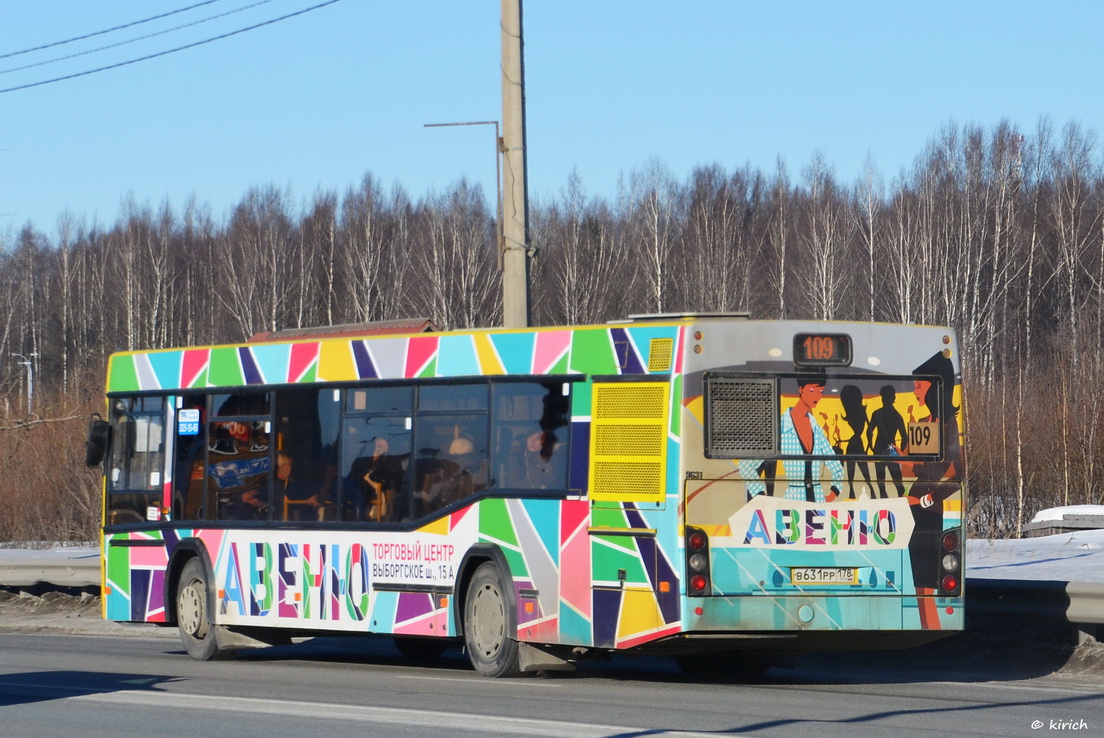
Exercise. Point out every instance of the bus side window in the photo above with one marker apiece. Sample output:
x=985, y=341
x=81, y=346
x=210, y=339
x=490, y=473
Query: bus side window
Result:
x=376, y=460
x=452, y=461
x=308, y=426
x=531, y=422
x=239, y=456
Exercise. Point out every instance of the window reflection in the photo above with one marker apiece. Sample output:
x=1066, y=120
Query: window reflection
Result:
x=387, y=454
x=531, y=423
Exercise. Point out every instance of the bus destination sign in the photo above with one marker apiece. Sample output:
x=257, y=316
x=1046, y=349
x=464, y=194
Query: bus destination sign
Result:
x=822, y=349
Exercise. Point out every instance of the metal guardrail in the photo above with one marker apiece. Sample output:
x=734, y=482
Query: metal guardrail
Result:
x=1080, y=604
x=1086, y=602
x=1077, y=602
x=22, y=568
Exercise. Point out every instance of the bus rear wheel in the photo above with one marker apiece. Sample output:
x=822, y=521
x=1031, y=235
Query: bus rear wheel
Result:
x=487, y=624
x=196, y=630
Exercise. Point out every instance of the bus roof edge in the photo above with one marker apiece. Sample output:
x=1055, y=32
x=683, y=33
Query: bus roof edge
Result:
x=376, y=328
x=684, y=316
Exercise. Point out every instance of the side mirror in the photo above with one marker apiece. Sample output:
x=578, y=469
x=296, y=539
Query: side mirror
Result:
x=99, y=430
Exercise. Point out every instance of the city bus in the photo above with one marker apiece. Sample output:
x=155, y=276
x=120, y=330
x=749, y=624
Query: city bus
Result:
x=708, y=487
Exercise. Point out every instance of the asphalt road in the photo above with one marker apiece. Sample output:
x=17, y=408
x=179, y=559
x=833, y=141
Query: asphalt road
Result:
x=143, y=683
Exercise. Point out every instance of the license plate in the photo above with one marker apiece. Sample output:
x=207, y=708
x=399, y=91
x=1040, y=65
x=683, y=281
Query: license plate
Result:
x=824, y=575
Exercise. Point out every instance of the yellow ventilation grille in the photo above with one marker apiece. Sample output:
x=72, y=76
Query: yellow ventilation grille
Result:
x=659, y=360
x=628, y=442
x=635, y=401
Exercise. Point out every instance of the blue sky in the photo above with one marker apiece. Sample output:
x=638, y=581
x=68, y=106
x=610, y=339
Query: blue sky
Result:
x=318, y=100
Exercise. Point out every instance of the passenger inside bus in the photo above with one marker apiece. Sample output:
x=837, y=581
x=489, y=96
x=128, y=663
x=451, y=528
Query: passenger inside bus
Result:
x=248, y=504
x=299, y=503
x=434, y=478
x=471, y=463
x=540, y=465
x=374, y=482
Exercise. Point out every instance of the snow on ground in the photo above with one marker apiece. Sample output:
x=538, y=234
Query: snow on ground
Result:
x=1067, y=557
x=1076, y=556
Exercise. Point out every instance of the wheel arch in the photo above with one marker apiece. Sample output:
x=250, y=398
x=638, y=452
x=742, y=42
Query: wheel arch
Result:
x=477, y=555
x=184, y=551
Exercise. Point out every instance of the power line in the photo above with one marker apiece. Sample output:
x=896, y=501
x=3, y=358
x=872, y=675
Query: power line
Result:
x=169, y=51
x=133, y=40
x=107, y=30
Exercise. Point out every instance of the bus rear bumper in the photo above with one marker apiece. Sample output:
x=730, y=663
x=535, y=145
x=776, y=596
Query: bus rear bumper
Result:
x=804, y=614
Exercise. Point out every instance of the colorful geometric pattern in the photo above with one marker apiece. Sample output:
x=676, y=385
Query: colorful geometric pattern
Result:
x=608, y=351
x=602, y=573
x=384, y=582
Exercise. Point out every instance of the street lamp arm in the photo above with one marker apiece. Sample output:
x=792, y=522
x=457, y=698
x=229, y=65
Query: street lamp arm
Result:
x=30, y=380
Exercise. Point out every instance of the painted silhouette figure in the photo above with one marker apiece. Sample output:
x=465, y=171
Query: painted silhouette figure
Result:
x=886, y=426
x=854, y=414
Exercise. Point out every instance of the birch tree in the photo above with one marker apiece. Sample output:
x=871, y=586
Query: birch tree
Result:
x=455, y=257
x=652, y=212
x=823, y=269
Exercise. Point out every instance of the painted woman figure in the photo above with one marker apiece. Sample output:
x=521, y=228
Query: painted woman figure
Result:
x=801, y=436
x=854, y=414
x=934, y=478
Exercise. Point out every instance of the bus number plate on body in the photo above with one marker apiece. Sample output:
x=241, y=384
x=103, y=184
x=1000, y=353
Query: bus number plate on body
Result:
x=823, y=575
x=923, y=437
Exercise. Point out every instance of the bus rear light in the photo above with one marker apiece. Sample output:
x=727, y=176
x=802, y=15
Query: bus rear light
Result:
x=950, y=563
x=697, y=561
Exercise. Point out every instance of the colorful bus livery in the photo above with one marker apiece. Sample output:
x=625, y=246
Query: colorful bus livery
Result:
x=687, y=485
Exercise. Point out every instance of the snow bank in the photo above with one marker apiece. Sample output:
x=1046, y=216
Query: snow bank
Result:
x=1059, y=513
x=1072, y=557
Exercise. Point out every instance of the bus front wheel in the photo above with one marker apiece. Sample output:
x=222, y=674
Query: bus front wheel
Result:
x=487, y=618
x=196, y=629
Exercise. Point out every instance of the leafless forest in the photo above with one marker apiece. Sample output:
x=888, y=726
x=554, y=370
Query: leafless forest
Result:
x=997, y=232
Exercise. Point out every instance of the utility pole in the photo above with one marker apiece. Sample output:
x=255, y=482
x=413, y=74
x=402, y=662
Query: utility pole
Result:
x=515, y=226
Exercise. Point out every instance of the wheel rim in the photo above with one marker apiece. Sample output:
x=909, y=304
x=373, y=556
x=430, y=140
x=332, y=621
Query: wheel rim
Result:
x=488, y=621
x=191, y=609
